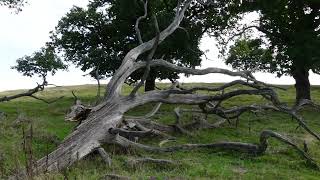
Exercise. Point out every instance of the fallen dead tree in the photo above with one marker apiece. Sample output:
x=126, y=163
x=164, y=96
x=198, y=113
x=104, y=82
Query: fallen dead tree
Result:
x=105, y=123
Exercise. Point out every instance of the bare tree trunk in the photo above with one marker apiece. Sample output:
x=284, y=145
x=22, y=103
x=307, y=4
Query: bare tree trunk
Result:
x=85, y=139
x=150, y=84
x=302, y=85
x=94, y=131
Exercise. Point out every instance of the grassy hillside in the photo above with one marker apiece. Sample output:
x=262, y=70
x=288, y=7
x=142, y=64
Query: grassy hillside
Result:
x=279, y=162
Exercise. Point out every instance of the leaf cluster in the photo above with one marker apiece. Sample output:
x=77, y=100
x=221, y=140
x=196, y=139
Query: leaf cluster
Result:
x=101, y=34
x=13, y=4
x=289, y=41
x=40, y=63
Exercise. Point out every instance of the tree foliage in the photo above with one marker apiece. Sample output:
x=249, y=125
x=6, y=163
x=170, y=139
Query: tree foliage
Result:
x=248, y=54
x=101, y=35
x=291, y=29
x=40, y=63
x=286, y=44
x=17, y=4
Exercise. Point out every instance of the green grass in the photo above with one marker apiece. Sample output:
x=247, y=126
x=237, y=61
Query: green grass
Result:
x=279, y=162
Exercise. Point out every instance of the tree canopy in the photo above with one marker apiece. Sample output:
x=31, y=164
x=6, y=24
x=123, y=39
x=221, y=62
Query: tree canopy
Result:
x=17, y=4
x=101, y=35
x=288, y=44
x=40, y=63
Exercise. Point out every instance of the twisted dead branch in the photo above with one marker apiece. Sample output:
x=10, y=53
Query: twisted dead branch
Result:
x=31, y=93
x=254, y=149
x=147, y=116
x=138, y=32
x=105, y=156
x=134, y=162
x=149, y=58
x=103, y=124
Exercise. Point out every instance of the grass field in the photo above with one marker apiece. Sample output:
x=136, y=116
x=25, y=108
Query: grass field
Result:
x=279, y=162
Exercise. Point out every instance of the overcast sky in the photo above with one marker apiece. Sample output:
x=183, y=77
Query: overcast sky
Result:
x=22, y=34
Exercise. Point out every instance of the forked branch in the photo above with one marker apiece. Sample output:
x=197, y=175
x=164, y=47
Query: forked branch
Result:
x=138, y=32
x=149, y=58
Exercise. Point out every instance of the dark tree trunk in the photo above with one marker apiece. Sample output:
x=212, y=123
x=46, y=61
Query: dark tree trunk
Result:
x=302, y=85
x=150, y=84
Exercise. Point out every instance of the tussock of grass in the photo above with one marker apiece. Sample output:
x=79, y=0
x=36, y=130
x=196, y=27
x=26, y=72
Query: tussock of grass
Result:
x=279, y=162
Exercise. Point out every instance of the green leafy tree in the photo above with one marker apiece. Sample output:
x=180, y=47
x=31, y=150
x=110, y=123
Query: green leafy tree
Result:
x=40, y=63
x=15, y=4
x=289, y=42
x=98, y=37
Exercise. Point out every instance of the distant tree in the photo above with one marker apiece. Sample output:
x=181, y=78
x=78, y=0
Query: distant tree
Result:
x=101, y=35
x=40, y=63
x=16, y=4
x=288, y=45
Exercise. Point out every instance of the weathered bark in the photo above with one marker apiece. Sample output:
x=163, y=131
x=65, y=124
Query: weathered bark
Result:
x=94, y=132
x=105, y=156
x=146, y=73
x=302, y=85
x=88, y=136
x=105, y=119
x=78, y=112
x=255, y=149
